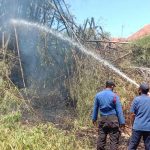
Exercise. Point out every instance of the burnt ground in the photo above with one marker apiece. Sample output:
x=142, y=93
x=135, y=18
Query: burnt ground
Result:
x=62, y=120
x=85, y=133
x=92, y=135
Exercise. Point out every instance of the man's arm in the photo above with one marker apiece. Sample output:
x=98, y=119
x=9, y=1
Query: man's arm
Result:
x=133, y=111
x=132, y=117
x=120, y=112
x=95, y=111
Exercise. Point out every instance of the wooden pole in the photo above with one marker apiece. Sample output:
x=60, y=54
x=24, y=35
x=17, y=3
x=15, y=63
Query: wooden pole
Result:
x=17, y=44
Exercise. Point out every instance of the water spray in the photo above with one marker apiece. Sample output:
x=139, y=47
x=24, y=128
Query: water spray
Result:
x=75, y=44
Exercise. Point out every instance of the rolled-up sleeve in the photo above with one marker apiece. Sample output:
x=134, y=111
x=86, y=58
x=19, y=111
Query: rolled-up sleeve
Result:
x=95, y=109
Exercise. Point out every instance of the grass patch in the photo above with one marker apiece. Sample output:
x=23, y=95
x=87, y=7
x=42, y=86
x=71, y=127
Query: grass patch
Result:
x=39, y=137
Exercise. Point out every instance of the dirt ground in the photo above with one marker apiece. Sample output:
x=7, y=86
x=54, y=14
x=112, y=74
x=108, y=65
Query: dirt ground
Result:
x=93, y=135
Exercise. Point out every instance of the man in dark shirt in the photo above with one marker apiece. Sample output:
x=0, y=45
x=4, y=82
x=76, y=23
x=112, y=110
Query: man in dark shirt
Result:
x=140, y=116
x=111, y=116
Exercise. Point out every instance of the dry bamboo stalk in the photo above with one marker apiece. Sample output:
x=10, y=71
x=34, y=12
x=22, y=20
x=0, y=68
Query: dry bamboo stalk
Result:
x=17, y=44
x=3, y=46
x=3, y=40
x=122, y=57
x=6, y=43
x=28, y=101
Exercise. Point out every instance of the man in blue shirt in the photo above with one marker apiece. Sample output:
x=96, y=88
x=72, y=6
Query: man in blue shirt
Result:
x=140, y=116
x=111, y=116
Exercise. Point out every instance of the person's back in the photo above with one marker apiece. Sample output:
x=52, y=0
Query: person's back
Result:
x=142, y=113
x=106, y=103
x=140, y=116
x=109, y=106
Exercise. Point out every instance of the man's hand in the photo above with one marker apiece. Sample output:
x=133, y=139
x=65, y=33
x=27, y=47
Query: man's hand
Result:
x=94, y=123
x=122, y=128
x=125, y=131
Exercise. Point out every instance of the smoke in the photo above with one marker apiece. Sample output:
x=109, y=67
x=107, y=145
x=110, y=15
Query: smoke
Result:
x=47, y=62
x=48, y=65
x=45, y=59
x=30, y=45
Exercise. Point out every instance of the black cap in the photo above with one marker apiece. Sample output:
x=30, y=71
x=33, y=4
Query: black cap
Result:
x=144, y=86
x=110, y=83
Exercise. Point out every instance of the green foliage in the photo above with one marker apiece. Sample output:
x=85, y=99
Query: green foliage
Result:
x=39, y=137
x=141, y=52
x=144, y=42
x=9, y=97
x=88, y=79
x=11, y=118
x=16, y=136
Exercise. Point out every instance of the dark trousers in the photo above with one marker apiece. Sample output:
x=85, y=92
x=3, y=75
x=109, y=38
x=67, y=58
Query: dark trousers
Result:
x=136, y=137
x=114, y=134
x=108, y=125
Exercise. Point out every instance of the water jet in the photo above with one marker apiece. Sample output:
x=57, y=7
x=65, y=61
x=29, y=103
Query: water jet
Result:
x=88, y=52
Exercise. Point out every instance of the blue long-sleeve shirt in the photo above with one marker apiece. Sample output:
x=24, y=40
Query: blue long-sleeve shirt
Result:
x=141, y=108
x=104, y=102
